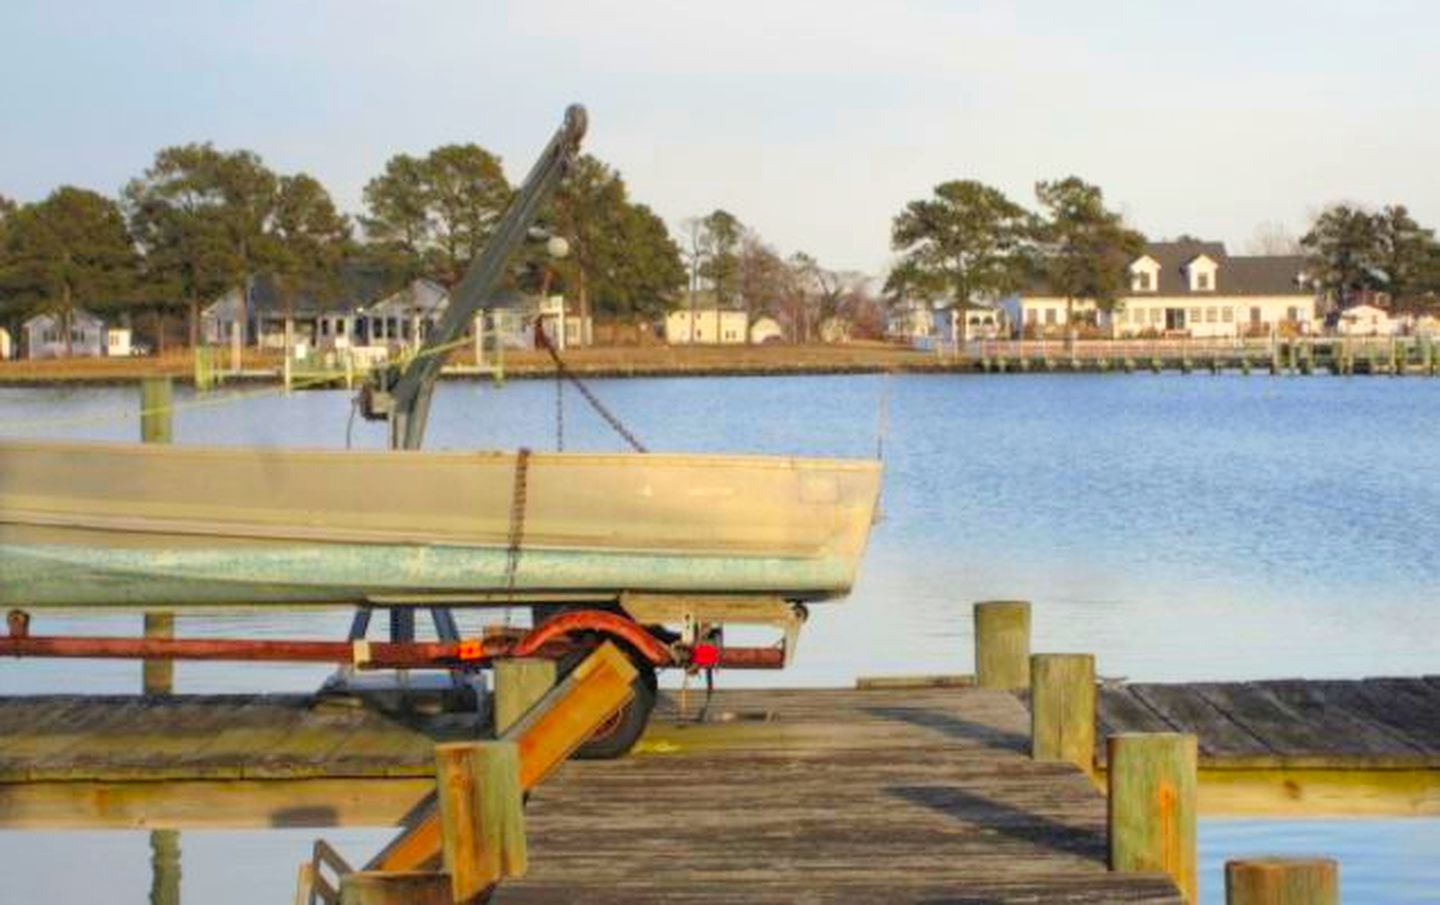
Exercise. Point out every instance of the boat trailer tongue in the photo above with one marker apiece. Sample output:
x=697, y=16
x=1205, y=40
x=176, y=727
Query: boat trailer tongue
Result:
x=557, y=639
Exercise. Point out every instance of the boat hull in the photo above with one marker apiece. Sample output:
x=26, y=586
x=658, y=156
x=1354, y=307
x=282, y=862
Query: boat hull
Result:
x=132, y=525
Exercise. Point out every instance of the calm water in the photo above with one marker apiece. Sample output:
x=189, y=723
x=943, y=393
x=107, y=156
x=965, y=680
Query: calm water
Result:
x=1178, y=527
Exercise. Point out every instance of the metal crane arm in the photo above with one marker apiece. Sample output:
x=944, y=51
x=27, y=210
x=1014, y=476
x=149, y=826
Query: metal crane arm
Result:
x=405, y=397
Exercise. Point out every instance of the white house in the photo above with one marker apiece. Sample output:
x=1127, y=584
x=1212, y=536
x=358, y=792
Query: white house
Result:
x=7, y=347
x=1367, y=320
x=910, y=321
x=956, y=325
x=1187, y=288
x=766, y=329
x=706, y=326
x=89, y=337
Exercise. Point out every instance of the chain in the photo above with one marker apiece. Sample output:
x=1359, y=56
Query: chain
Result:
x=562, y=372
x=559, y=413
x=517, y=516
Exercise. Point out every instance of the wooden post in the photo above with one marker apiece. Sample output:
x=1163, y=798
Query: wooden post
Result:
x=1152, y=779
x=1002, y=644
x=482, y=823
x=1282, y=881
x=157, y=426
x=157, y=401
x=371, y=887
x=164, y=867
x=1062, y=709
x=519, y=683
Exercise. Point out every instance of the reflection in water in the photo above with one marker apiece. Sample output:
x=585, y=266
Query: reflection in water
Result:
x=1178, y=527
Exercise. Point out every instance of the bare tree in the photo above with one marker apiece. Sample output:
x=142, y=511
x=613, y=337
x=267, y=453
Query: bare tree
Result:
x=1272, y=238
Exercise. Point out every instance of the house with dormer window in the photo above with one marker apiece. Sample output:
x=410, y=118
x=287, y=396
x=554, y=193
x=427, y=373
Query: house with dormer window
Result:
x=1186, y=288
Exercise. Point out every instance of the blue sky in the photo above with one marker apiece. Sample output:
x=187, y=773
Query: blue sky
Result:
x=812, y=121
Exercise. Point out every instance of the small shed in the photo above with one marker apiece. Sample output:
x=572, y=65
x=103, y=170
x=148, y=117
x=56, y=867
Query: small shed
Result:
x=89, y=337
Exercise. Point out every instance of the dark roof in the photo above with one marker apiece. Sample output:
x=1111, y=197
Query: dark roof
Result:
x=356, y=286
x=1239, y=275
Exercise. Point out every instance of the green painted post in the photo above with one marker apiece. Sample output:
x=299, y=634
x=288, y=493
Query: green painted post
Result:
x=164, y=867
x=157, y=401
x=1282, y=881
x=1002, y=644
x=1152, y=814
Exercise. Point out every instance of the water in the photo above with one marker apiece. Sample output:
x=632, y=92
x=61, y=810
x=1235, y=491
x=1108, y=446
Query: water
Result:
x=1178, y=527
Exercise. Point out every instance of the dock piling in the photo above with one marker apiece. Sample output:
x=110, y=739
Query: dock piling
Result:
x=1002, y=644
x=482, y=821
x=1152, y=816
x=366, y=887
x=519, y=683
x=157, y=406
x=1282, y=881
x=1062, y=709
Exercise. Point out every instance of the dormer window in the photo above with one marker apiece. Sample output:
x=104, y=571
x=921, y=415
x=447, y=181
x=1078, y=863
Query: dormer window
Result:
x=1202, y=281
x=1200, y=273
x=1144, y=274
x=1142, y=281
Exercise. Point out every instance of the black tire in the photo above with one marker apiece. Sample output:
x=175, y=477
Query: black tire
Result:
x=617, y=735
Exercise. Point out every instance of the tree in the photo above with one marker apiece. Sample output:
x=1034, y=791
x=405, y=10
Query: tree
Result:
x=720, y=233
x=1343, y=252
x=1272, y=238
x=311, y=239
x=202, y=218
x=68, y=251
x=434, y=214
x=1404, y=254
x=763, y=277
x=622, y=262
x=969, y=241
x=1086, y=249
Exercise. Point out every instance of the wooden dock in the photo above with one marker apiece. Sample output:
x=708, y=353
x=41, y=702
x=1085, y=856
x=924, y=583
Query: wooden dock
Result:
x=913, y=794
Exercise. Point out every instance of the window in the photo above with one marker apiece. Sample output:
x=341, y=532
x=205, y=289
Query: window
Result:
x=1142, y=281
x=1049, y=315
x=324, y=326
x=1195, y=315
x=1254, y=315
x=1211, y=315
x=1032, y=315
x=1292, y=314
x=1227, y=315
x=1155, y=315
x=1202, y=281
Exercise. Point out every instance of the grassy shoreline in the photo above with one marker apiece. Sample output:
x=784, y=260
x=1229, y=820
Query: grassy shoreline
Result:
x=614, y=361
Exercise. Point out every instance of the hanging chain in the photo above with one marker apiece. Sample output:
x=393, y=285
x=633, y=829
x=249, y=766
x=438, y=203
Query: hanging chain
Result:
x=561, y=371
x=518, y=496
x=559, y=412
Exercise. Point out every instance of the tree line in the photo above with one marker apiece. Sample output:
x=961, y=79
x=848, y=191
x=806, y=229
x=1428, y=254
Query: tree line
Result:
x=969, y=243
x=200, y=221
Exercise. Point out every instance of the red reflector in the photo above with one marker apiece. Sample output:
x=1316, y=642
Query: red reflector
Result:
x=471, y=650
x=705, y=656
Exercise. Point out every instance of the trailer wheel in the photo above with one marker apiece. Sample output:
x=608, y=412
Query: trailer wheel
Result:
x=617, y=735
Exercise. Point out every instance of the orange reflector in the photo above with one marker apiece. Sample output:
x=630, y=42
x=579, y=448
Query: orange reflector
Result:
x=471, y=649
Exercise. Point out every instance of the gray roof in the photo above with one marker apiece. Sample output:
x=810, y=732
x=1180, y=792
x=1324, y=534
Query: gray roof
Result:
x=1237, y=275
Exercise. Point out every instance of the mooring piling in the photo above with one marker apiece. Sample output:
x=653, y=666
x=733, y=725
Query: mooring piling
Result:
x=1282, y=881
x=1062, y=709
x=1152, y=778
x=482, y=817
x=1002, y=644
x=519, y=683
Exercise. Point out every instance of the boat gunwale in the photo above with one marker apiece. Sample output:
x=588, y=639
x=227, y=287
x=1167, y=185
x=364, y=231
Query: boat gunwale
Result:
x=667, y=459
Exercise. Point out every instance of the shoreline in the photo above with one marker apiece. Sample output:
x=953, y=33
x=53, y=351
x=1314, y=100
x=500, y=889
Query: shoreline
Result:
x=1307, y=357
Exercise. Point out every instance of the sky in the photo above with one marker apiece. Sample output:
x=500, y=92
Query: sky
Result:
x=813, y=122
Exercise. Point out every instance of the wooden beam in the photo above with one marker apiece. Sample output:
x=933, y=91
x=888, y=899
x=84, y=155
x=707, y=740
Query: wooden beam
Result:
x=409, y=888
x=546, y=736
